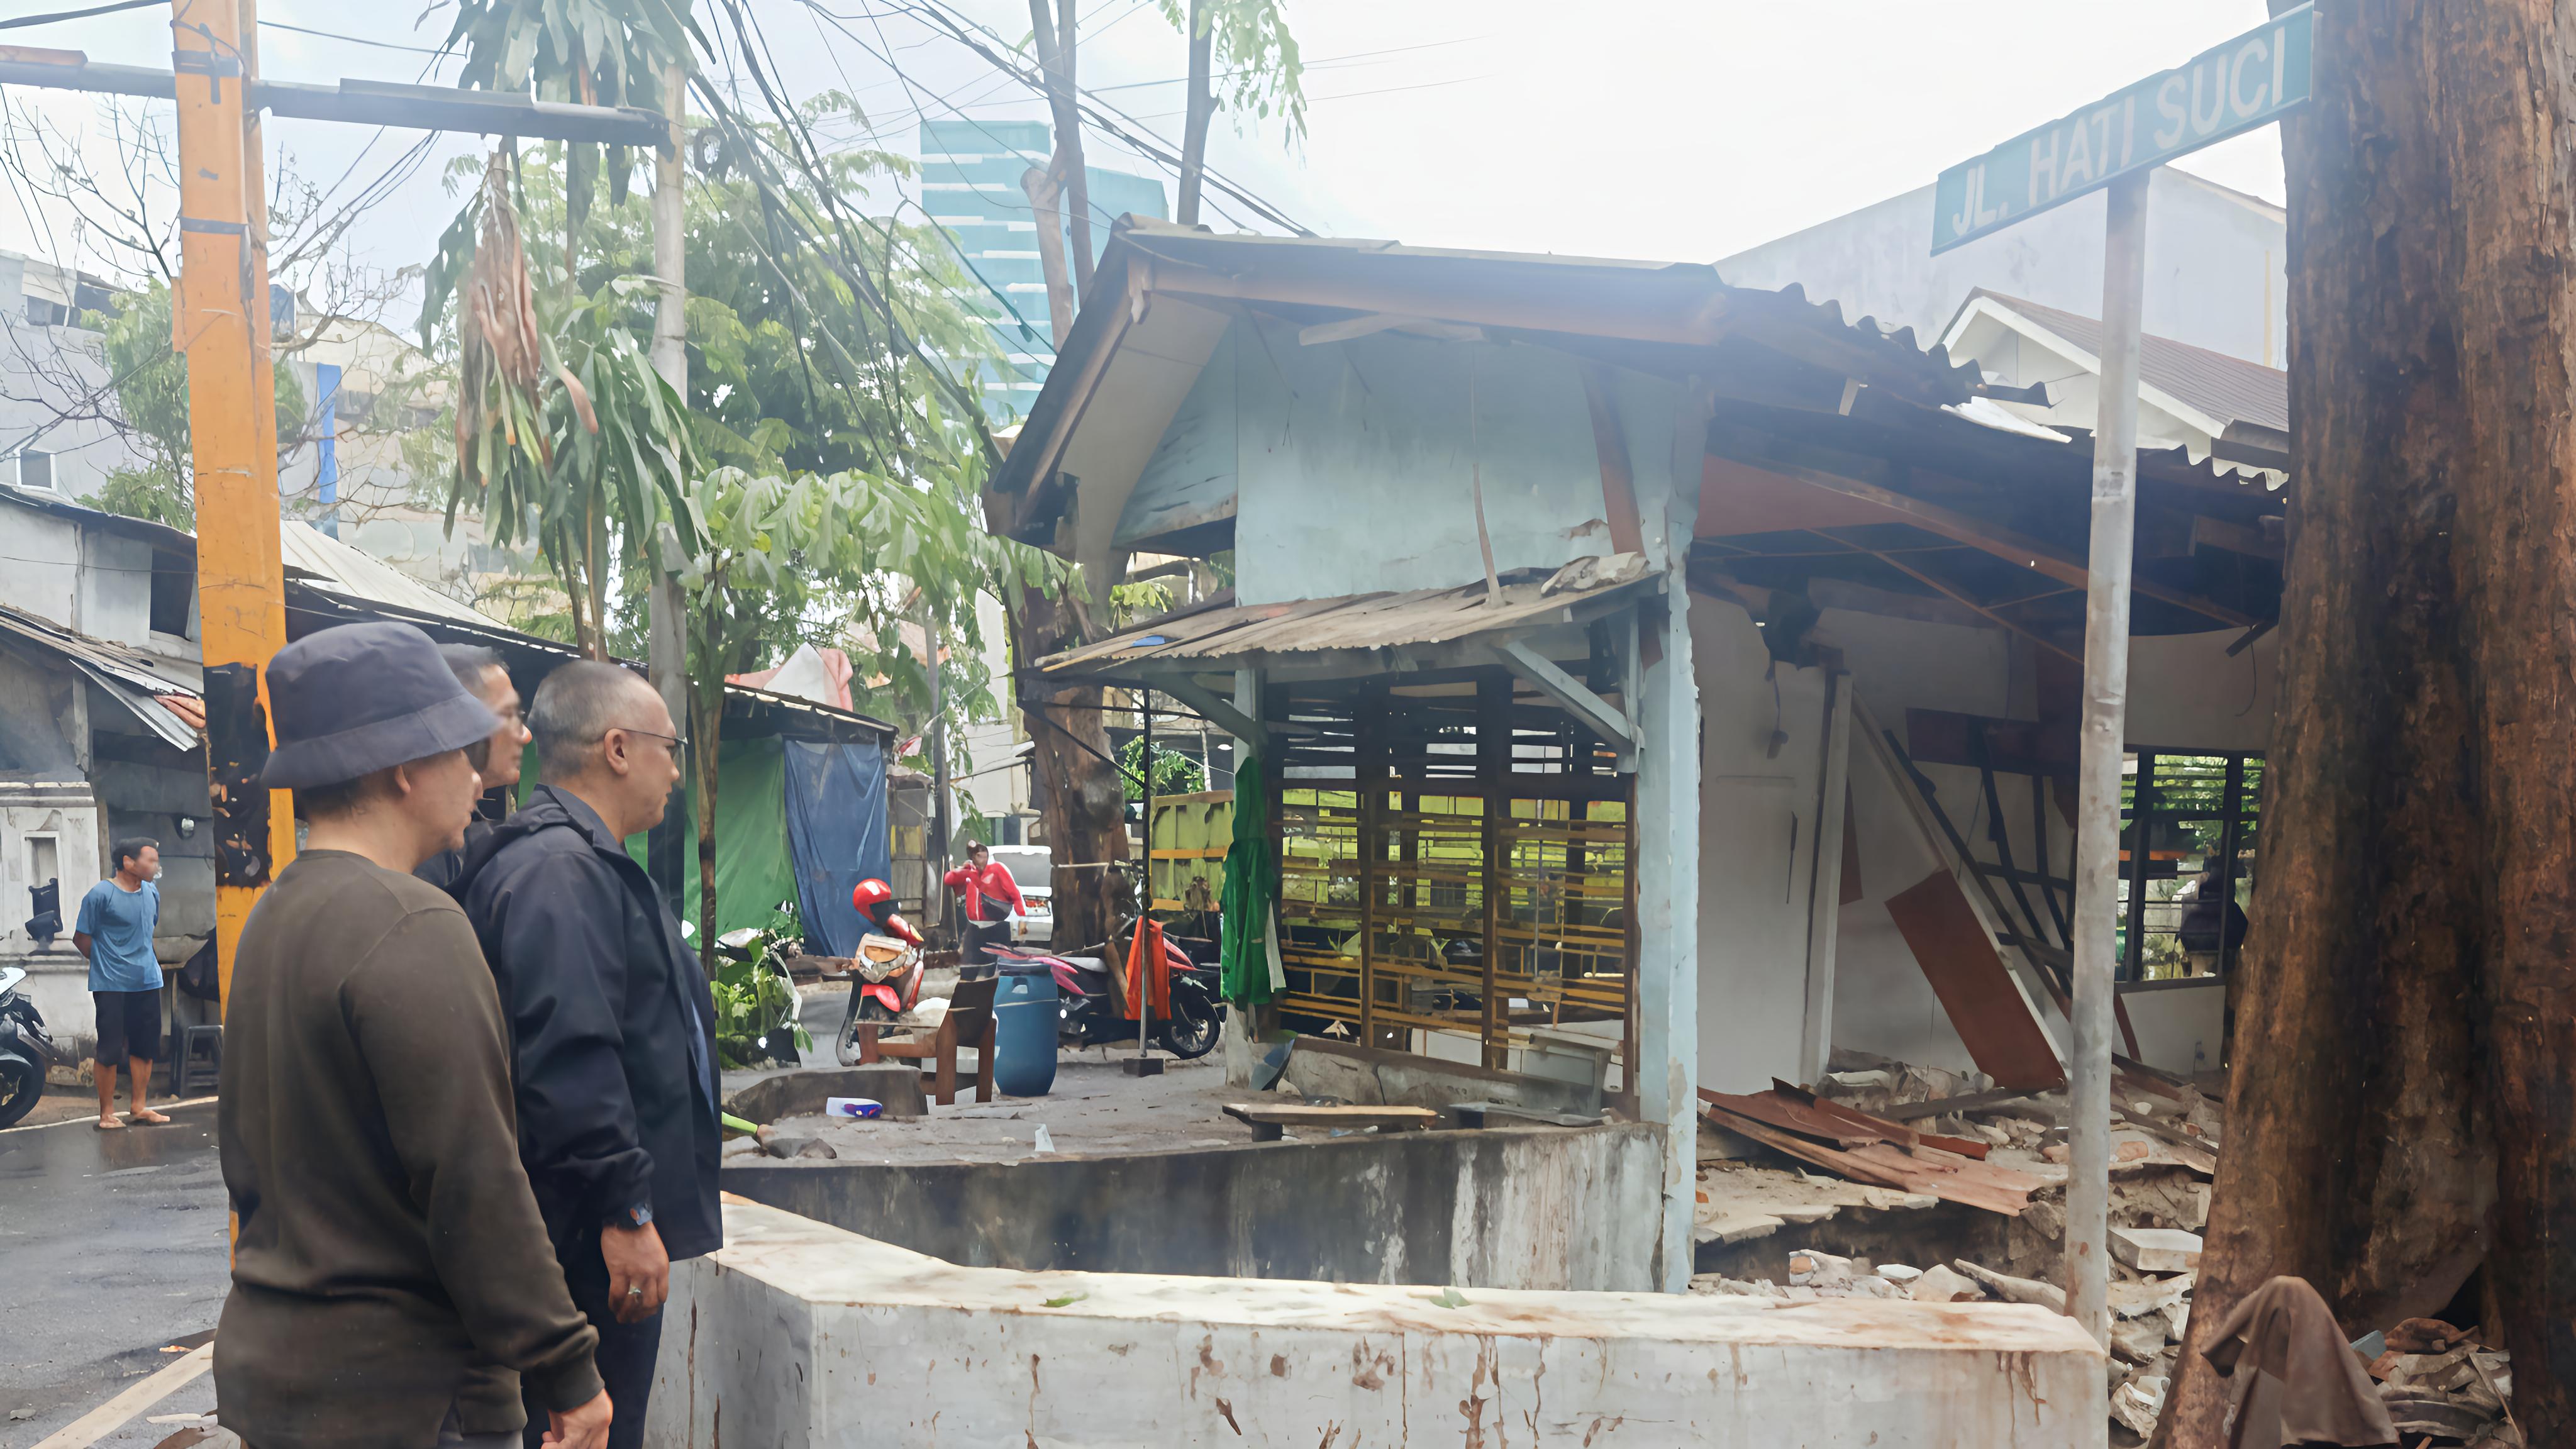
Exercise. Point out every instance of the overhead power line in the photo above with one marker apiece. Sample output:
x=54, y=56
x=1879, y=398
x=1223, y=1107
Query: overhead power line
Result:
x=20, y=22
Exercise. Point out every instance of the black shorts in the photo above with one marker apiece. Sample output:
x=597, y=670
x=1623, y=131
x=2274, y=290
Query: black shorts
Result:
x=129, y=1026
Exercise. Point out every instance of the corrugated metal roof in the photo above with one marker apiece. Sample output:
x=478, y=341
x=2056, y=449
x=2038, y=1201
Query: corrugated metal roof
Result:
x=332, y=565
x=2229, y=389
x=123, y=672
x=1349, y=622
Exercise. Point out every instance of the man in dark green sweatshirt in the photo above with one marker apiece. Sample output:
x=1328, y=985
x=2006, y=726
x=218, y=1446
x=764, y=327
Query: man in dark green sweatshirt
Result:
x=392, y=1282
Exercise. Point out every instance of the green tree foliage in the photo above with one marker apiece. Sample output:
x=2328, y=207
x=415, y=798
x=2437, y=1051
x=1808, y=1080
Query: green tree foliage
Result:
x=151, y=385
x=565, y=435
x=1253, y=54
x=1174, y=772
x=595, y=52
x=781, y=554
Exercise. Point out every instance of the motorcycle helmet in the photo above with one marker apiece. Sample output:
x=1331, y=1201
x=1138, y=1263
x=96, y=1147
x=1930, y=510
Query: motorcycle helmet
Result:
x=874, y=899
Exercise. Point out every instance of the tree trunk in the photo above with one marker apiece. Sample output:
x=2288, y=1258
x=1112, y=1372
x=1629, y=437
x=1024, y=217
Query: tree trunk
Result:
x=1081, y=806
x=2401, y=1063
x=1040, y=185
x=1056, y=45
x=1201, y=104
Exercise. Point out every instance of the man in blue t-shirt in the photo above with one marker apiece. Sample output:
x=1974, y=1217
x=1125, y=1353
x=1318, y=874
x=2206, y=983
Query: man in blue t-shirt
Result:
x=115, y=932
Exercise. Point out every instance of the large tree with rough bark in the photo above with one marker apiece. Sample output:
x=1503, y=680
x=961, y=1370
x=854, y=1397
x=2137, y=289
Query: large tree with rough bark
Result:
x=2403, y=1095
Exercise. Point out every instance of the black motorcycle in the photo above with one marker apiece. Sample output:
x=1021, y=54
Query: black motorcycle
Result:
x=1092, y=1009
x=25, y=1050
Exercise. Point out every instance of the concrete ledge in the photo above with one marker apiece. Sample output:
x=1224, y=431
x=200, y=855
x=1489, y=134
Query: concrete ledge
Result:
x=1532, y=1207
x=801, y=1091
x=800, y=1336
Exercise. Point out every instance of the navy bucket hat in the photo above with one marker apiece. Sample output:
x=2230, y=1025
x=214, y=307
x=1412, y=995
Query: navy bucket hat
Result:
x=350, y=701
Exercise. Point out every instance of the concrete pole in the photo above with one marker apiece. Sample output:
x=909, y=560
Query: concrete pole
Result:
x=1666, y=859
x=667, y=647
x=2105, y=719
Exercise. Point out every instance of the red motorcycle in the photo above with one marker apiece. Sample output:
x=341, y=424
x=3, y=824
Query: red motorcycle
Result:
x=887, y=966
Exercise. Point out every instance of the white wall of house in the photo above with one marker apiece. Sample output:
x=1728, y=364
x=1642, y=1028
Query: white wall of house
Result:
x=2215, y=262
x=1759, y=817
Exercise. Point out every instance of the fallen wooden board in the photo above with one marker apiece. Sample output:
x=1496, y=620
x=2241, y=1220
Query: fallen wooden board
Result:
x=1790, y=1115
x=1889, y=1131
x=1975, y=988
x=1942, y=1106
x=1944, y=1175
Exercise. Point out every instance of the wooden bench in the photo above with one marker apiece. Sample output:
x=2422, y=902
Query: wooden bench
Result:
x=1267, y=1121
x=969, y=1022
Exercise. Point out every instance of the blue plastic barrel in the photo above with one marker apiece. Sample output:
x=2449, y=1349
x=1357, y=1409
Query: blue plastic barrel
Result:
x=1024, y=1030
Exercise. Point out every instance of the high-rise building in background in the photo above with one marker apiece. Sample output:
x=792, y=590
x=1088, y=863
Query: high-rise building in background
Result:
x=970, y=185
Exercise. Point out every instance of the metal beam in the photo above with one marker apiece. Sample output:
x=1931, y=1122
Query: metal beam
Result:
x=1212, y=706
x=359, y=102
x=1539, y=670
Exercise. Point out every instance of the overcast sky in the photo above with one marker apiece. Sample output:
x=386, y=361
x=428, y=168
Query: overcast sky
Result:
x=1682, y=131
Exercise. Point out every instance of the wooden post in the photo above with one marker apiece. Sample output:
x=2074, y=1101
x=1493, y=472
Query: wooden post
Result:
x=2133, y=954
x=1493, y=765
x=220, y=323
x=1369, y=779
x=2108, y=569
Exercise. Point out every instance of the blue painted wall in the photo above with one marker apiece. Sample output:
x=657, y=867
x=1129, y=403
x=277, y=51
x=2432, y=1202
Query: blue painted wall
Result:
x=1355, y=463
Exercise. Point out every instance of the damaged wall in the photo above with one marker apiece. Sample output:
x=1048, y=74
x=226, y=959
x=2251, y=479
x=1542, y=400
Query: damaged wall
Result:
x=1758, y=820
x=1373, y=439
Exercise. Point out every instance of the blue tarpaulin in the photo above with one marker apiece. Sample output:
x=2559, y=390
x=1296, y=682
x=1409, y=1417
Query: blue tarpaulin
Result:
x=836, y=826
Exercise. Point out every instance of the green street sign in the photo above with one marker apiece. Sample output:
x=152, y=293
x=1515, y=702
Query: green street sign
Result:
x=2250, y=81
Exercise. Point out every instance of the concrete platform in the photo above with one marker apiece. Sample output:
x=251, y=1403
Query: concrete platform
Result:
x=800, y=1336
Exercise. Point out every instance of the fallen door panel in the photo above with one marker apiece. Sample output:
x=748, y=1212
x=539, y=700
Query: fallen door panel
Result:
x=1976, y=989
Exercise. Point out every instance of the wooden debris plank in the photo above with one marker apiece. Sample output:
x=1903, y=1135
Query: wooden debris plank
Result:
x=1942, y=1106
x=1789, y=1115
x=1840, y=1163
x=1886, y=1130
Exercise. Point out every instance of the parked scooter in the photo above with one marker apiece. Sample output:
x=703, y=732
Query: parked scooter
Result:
x=25, y=1050
x=888, y=968
x=1092, y=1007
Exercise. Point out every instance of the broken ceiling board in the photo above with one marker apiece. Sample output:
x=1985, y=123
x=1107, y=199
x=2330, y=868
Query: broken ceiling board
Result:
x=1929, y=1171
x=1976, y=989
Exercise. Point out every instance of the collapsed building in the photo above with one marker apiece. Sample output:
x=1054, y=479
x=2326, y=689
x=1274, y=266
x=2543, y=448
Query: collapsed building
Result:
x=1661, y=697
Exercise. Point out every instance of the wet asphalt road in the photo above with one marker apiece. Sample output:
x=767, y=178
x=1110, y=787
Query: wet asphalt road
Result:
x=112, y=1244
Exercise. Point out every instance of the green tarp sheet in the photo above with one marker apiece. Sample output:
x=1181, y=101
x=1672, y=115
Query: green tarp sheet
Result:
x=1251, y=890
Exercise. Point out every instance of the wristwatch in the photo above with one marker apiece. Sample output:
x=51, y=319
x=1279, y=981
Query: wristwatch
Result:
x=638, y=1216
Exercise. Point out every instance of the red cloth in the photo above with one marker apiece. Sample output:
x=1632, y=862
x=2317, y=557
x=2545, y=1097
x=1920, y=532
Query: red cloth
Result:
x=1161, y=980
x=995, y=882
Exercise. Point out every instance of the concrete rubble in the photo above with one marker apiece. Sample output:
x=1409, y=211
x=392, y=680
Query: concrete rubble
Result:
x=1760, y=1209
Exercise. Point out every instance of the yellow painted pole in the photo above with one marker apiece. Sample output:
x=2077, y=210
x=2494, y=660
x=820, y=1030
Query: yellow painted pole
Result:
x=220, y=320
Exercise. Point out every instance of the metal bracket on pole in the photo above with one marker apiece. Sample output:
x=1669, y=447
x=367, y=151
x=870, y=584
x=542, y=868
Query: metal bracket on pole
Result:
x=1212, y=705
x=1614, y=725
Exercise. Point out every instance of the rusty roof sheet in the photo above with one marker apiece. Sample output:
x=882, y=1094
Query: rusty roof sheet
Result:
x=125, y=673
x=1207, y=634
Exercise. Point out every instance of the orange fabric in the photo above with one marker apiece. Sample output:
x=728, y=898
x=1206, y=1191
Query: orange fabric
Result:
x=1162, y=978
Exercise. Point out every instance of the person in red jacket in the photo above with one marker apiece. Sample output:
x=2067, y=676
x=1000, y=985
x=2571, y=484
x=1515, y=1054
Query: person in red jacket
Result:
x=992, y=897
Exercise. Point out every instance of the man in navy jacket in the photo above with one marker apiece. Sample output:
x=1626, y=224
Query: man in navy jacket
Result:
x=611, y=1022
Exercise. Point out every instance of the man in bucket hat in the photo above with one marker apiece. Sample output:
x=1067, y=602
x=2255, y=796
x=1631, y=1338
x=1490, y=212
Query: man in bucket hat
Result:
x=392, y=1281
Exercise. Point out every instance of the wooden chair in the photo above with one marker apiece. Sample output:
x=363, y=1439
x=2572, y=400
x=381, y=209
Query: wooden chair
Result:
x=969, y=1021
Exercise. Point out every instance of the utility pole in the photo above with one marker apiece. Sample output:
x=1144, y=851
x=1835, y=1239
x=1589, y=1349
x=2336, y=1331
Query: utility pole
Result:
x=220, y=321
x=667, y=645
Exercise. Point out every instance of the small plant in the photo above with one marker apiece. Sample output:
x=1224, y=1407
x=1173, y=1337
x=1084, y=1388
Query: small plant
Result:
x=755, y=1001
